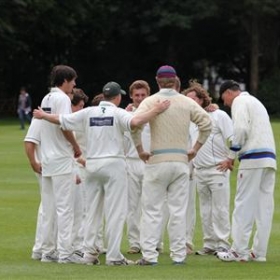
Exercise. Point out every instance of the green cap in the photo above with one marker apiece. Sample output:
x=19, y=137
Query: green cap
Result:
x=112, y=89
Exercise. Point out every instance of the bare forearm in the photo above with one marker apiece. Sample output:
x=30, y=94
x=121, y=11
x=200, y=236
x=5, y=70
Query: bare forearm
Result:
x=30, y=151
x=139, y=149
x=51, y=118
x=30, y=148
x=197, y=146
x=193, y=151
x=70, y=137
x=41, y=114
x=143, y=118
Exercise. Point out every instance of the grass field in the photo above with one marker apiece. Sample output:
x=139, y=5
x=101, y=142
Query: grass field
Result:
x=19, y=199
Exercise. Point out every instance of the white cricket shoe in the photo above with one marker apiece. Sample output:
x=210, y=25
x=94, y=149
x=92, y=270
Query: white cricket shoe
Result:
x=121, y=262
x=255, y=258
x=74, y=258
x=51, y=257
x=91, y=259
x=232, y=256
x=36, y=256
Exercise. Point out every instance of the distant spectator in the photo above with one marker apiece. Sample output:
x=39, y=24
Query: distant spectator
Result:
x=24, y=107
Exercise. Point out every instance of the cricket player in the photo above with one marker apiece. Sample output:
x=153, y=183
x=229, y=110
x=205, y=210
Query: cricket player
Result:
x=213, y=185
x=253, y=144
x=32, y=143
x=166, y=176
x=58, y=149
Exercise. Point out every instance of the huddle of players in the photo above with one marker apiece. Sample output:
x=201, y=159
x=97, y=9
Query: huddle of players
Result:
x=66, y=233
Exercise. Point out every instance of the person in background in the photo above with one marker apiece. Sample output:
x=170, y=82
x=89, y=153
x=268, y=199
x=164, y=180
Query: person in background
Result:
x=24, y=107
x=253, y=144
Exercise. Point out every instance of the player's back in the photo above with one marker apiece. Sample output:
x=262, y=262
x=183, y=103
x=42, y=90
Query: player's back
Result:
x=57, y=152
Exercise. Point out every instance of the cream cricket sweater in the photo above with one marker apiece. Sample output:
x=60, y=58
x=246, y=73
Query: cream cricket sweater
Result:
x=170, y=129
x=253, y=138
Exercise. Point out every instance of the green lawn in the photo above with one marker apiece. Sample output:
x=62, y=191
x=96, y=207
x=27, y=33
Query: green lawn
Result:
x=19, y=199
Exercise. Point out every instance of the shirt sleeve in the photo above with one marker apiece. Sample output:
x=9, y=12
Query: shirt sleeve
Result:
x=241, y=124
x=124, y=119
x=201, y=118
x=226, y=125
x=74, y=121
x=136, y=133
x=34, y=132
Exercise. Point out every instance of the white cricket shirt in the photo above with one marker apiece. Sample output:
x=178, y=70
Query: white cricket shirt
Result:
x=57, y=152
x=215, y=148
x=33, y=135
x=104, y=128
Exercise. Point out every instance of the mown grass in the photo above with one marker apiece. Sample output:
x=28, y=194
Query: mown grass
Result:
x=19, y=199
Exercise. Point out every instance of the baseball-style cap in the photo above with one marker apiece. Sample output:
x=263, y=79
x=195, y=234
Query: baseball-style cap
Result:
x=228, y=85
x=166, y=71
x=112, y=89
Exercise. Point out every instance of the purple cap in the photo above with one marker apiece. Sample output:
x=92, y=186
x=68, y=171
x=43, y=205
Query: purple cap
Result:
x=166, y=71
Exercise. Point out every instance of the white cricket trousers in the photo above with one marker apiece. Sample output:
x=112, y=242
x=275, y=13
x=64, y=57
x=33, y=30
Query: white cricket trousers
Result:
x=106, y=186
x=254, y=204
x=80, y=211
x=214, y=197
x=135, y=171
x=191, y=213
x=37, y=248
x=166, y=181
x=57, y=202
x=79, y=215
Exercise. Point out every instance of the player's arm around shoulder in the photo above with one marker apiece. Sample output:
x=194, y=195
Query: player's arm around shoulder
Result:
x=157, y=108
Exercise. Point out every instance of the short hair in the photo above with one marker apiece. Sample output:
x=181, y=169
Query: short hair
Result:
x=60, y=73
x=138, y=84
x=200, y=92
x=166, y=82
x=178, y=84
x=229, y=84
x=97, y=99
x=78, y=95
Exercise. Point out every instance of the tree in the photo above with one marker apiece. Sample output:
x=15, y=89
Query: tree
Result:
x=260, y=21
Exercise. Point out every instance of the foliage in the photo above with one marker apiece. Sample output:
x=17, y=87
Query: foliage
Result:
x=269, y=91
x=123, y=41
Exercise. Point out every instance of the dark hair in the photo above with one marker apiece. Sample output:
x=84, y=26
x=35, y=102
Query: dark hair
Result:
x=229, y=84
x=60, y=73
x=78, y=95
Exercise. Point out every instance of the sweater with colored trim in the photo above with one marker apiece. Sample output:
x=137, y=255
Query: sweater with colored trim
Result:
x=253, y=136
x=170, y=129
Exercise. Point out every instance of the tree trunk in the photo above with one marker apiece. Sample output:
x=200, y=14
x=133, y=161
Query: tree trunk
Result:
x=254, y=67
